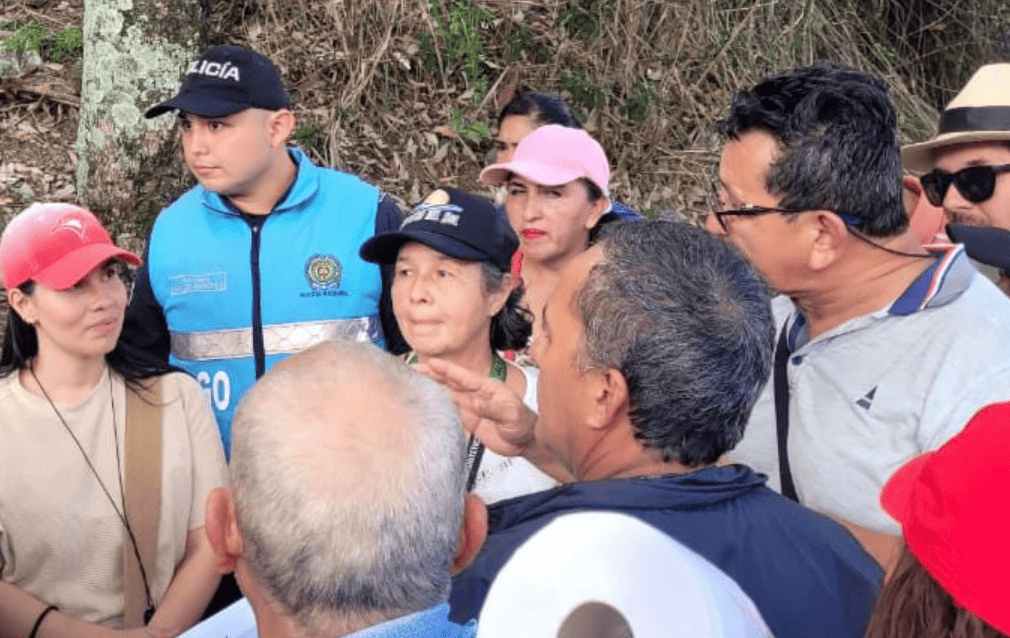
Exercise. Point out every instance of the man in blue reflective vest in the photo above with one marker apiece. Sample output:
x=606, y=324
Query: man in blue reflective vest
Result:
x=260, y=259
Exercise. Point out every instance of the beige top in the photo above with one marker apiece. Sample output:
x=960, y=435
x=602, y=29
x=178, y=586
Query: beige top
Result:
x=60, y=538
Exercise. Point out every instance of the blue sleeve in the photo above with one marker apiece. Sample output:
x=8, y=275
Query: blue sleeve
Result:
x=625, y=212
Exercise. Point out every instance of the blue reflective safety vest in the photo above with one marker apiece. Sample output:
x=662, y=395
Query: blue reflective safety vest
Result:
x=240, y=293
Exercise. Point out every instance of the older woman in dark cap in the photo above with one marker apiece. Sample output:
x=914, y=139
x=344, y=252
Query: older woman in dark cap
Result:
x=455, y=300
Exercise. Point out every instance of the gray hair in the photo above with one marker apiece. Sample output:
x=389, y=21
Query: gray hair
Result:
x=348, y=474
x=687, y=321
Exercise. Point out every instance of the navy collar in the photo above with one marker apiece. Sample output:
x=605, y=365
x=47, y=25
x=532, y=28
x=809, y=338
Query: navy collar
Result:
x=944, y=281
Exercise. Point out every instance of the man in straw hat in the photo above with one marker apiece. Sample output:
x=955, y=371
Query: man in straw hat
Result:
x=966, y=167
x=970, y=152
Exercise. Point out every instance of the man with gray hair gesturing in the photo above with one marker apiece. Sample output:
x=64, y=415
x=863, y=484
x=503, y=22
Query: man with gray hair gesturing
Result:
x=346, y=506
x=655, y=343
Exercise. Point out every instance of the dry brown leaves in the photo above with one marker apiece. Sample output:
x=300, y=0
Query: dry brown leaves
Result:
x=38, y=117
x=371, y=106
x=358, y=75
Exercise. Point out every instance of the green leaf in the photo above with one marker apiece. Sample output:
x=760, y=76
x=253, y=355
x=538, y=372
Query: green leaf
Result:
x=67, y=42
x=30, y=37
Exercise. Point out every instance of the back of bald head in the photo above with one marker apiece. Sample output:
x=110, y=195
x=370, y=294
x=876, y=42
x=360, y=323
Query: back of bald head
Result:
x=348, y=474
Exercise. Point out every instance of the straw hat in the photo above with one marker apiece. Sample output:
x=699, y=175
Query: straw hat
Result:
x=979, y=113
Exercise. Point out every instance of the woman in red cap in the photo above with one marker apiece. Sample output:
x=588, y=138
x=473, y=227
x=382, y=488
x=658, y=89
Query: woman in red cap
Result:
x=106, y=458
x=951, y=580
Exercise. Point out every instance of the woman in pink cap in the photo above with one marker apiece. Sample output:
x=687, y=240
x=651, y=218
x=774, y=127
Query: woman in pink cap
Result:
x=95, y=541
x=529, y=111
x=557, y=193
x=951, y=580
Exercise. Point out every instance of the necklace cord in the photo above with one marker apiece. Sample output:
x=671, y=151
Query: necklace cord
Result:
x=900, y=253
x=474, y=447
x=101, y=483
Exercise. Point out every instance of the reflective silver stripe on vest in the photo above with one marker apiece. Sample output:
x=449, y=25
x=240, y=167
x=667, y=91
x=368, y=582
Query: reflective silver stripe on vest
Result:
x=278, y=338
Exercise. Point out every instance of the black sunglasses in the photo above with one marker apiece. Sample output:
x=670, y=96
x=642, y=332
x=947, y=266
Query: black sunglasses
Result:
x=975, y=183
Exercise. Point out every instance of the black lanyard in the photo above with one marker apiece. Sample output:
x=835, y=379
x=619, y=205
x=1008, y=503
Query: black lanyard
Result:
x=474, y=448
x=782, y=413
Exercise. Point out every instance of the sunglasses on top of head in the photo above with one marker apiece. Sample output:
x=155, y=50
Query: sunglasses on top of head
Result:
x=975, y=183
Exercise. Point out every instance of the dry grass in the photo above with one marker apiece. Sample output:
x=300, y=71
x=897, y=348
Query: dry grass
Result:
x=370, y=105
x=357, y=74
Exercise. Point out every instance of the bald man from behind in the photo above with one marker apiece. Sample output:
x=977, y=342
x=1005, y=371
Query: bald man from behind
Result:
x=346, y=510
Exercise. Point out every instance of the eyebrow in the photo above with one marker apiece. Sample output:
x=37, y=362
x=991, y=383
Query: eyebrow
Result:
x=446, y=259
x=441, y=259
x=552, y=187
x=980, y=161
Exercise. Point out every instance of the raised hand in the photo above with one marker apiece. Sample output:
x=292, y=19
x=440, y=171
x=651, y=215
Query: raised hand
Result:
x=490, y=409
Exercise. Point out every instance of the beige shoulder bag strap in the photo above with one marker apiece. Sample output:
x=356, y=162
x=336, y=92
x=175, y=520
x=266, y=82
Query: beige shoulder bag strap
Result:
x=143, y=498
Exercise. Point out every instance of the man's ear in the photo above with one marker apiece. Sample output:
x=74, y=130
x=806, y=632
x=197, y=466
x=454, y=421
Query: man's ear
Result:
x=609, y=394
x=472, y=535
x=281, y=124
x=827, y=235
x=221, y=527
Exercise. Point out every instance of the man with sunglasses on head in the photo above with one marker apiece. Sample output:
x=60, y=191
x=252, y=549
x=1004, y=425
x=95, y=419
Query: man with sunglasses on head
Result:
x=884, y=350
x=966, y=167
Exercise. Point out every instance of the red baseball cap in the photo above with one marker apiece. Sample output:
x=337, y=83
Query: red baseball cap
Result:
x=56, y=245
x=953, y=509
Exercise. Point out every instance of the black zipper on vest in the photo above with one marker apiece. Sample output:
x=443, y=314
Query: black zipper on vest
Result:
x=256, y=227
x=259, y=353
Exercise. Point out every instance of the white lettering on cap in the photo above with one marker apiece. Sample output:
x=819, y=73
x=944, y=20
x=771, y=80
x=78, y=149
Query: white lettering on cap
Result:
x=216, y=69
x=447, y=214
x=72, y=224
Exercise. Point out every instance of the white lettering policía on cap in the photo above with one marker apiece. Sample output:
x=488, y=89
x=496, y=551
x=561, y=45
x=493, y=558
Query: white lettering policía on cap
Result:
x=225, y=71
x=442, y=213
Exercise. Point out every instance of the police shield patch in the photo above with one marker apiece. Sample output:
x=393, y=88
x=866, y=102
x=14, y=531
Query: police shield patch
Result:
x=323, y=272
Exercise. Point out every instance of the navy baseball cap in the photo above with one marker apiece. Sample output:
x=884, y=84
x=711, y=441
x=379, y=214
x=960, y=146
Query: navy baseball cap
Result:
x=227, y=79
x=453, y=222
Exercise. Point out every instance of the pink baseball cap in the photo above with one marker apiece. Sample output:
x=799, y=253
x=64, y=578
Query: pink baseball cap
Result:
x=56, y=245
x=951, y=503
x=553, y=155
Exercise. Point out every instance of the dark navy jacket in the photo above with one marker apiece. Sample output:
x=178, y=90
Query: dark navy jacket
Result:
x=807, y=575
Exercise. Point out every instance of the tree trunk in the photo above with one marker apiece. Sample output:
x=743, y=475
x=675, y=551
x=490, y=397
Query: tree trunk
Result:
x=135, y=54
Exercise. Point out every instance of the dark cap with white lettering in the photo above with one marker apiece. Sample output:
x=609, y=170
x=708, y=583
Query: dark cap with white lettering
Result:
x=224, y=80
x=455, y=223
